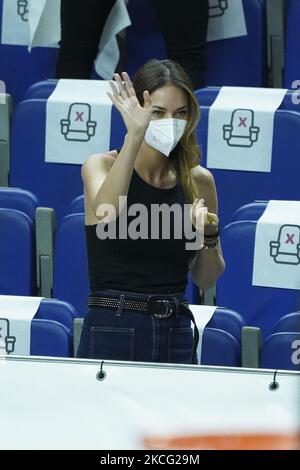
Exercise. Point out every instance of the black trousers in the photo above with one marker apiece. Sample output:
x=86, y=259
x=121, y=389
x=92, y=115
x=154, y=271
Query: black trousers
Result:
x=183, y=25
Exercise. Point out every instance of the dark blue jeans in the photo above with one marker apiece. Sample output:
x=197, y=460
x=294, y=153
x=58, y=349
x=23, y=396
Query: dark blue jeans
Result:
x=136, y=336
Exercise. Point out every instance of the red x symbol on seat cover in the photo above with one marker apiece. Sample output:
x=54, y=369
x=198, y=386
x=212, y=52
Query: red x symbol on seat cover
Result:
x=290, y=238
x=242, y=122
x=79, y=116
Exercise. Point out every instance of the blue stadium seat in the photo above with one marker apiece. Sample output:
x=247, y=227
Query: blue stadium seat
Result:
x=261, y=307
x=226, y=63
x=225, y=58
x=292, y=58
x=46, y=180
x=144, y=40
x=207, y=96
x=256, y=185
x=192, y=291
x=281, y=351
x=288, y=323
x=40, y=90
x=227, y=320
x=220, y=348
x=20, y=69
x=50, y=338
x=76, y=206
x=57, y=310
x=17, y=242
x=252, y=211
x=17, y=253
x=19, y=199
x=70, y=281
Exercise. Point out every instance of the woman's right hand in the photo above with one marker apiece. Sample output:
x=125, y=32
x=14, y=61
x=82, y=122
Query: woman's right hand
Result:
x=136, y=117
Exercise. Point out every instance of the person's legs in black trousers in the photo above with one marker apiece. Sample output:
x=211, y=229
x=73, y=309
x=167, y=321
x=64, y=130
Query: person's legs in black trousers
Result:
x=82, y=27
x=184, y=27
x=183, y=24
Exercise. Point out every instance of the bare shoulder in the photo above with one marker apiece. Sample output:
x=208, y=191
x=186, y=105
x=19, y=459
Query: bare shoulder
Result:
x=98, y=161
x=202, y=177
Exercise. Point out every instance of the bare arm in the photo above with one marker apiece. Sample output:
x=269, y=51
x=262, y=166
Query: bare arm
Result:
x=208, y=264
x=107, y=176
x=105, y=180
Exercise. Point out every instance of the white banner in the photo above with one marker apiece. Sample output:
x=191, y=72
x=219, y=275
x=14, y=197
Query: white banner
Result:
x=16, y=313
x=277, y=246
x=137, y=405
x=202, y=315
x=240, y=128
x=226, y=19
x=78, y=121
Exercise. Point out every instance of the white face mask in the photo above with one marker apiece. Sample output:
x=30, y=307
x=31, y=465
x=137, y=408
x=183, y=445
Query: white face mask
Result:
x=164, y=134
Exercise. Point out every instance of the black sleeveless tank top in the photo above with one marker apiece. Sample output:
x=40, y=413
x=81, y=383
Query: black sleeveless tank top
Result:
x=141, y=265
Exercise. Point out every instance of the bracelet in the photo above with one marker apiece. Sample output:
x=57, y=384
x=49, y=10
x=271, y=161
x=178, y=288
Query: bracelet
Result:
x=211, y=243
x=213, y=235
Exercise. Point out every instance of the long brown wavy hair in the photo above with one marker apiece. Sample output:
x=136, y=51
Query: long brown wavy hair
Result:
x=186, y=155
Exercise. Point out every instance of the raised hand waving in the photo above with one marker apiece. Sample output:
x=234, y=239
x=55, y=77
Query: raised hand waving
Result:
x=135, y=116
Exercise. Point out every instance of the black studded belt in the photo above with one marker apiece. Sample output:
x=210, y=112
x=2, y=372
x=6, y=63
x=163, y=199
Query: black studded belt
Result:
x=159, y=308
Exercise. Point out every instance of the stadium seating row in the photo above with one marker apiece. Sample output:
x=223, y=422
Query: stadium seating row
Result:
x=223, y=339
x=29, y=120
x=260, y=307
x=51, y=330
x=28, y=235
x=226, y=64
x=42, y=251
x=145, y=41
x=251, y=185
x=46, y=180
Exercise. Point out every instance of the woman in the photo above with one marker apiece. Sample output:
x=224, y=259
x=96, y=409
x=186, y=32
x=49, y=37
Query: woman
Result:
x=137, y=308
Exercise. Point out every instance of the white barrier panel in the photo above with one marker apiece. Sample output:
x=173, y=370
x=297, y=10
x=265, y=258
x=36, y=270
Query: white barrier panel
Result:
x=61, y=404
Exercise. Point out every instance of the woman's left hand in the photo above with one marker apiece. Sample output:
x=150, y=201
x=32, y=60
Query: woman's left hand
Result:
x=201, y=216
